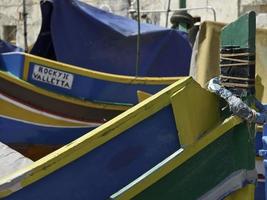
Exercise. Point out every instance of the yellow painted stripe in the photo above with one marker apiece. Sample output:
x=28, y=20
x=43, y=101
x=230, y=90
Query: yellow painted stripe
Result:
x=246, y=193
x=12, y=111
x=96, y=74
x=5, y=193
x=26, y=67
x=259, y=158
x=60, y=97
x=97, y=137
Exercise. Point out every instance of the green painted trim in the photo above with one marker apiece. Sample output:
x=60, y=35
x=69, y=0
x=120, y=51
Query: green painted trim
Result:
x=240, y=32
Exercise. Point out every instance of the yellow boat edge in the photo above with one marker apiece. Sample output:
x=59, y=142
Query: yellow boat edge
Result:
x=95, y=74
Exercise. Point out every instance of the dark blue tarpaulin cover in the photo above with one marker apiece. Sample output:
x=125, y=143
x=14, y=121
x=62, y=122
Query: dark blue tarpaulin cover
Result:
x=79, y=34
x=7, y=47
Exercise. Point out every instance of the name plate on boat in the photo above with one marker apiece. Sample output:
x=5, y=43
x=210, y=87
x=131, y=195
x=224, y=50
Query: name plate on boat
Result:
x=52, y=76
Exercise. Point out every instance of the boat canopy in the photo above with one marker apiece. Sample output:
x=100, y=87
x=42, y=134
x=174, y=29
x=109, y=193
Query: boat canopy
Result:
x=80, y=34
x=7, y=47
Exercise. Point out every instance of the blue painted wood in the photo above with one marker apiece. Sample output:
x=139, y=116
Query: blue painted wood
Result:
x=260, y=191
x=258, y=142
x=261, y=146
x=83, y=87
x=106, y=169
x=13, y=131
x=13, y=63
x=264, y=153
x=99, y=90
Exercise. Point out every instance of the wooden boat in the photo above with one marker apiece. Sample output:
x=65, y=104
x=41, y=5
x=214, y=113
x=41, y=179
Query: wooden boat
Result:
x=78, y=82
x=170, y=145
x=174, y=144
x=68, y=92
x=76, y=33
x=25, y=126
x=94, y=77
x=17, y=89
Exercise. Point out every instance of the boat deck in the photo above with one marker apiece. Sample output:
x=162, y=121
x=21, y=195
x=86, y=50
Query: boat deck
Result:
x=11, y=160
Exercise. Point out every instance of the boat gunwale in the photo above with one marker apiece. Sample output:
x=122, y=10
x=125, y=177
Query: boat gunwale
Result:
x=95, y=74
x=66, y=122
x=87, y=103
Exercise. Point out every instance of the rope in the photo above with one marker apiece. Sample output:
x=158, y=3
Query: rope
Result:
x=138, y=39
x=237, y=54
x=237, y=59
x=239, y=62
x=25, y=34
x=167, y=14
x=234, y=59
x=241, y=85
x=237, y=78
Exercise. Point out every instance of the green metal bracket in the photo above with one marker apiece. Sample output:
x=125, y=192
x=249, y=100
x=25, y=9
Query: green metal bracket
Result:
x=183, y=27
x=182, y=3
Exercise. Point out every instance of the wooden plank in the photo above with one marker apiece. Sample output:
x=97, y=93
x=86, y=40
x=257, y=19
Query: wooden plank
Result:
x=200, y=113
x=141, y=95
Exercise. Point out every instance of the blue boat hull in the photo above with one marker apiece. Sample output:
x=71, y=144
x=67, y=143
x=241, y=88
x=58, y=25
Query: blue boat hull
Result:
x=111, y=166
x=18, y=132
x=78, y=82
